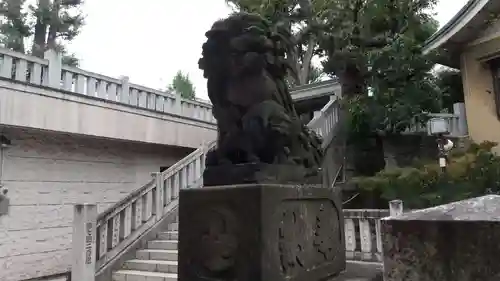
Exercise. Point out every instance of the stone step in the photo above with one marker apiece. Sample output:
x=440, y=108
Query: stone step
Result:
x=162, y=244
x=155, y=254
x=168, y=235
x=173, y=226
x=137, y=275
x=151, y=265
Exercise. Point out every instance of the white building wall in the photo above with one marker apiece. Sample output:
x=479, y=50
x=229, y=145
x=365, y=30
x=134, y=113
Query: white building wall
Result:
x=45, y=175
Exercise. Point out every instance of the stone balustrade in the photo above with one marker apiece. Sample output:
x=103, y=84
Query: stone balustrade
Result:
x=49, y=72
x=362, y=234
x=457, y=122
x=121, y=225
x=325, y=120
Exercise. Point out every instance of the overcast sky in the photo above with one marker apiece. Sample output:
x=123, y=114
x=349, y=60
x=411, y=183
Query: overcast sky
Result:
x=150, y=40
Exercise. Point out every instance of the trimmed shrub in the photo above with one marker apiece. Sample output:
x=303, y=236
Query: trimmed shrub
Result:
x=472, y=173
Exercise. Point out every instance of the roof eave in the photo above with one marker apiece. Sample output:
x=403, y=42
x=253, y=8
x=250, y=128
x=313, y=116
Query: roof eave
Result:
x=459, y=21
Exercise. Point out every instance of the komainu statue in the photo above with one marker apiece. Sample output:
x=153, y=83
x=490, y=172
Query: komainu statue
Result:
x=267, y=215
x=244, y=63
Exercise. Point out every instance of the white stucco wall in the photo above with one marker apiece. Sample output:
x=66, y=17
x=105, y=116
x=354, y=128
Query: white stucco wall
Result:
x=46, y=174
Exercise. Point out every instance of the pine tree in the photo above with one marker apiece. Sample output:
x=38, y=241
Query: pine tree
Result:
x=13, y=27
x=374, y=48
x=376, y=45
x=56, y=22
x=49, y=25
x=182, y=85
x=299, y=18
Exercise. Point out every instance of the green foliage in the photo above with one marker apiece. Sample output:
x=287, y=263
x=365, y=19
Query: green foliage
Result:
x=68, y=58
x=449, y=81
x=64, y=18
x=301, y=18
x=375, y=46
x=182, y=85
x=48, y=24
x=13, y=26
x=469, y=174
x=402, y=88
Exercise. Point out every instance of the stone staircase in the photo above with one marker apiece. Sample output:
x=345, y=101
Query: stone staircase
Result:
x=158, y=261
x=136, y=238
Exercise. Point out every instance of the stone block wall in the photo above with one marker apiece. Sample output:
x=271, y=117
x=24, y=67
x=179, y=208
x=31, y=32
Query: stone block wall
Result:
x=452, y=242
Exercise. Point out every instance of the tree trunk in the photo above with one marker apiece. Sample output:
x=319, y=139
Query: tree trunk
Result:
x=305, y=67
x=352, y=82
x=39, y=45
x=54, y=25
x=368, y=146
x=306, y=63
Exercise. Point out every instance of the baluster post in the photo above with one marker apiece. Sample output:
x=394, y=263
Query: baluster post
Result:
x=160, y=189
x=55, y=68
x=125, y=89
x=6, y=67
x=316, y=114
x=206, y=148
x=395, y=207
x=147, y=208
x=350, y=237
x=178, y=104
x=84, y=242
x=459, y=109
x=378, y=236
x=21, y=68
x=176, y=185
x=168, y=189
x=365, y=235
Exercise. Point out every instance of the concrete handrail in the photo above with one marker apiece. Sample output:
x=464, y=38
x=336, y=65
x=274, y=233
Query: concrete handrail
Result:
x=50, y=72
x=130, y=218
x=325, y=122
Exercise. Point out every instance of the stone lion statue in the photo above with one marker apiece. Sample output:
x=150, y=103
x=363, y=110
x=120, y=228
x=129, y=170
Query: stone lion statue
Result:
x=244, y=63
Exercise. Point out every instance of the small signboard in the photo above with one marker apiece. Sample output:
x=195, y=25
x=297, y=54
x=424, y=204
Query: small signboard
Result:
x=89, y=242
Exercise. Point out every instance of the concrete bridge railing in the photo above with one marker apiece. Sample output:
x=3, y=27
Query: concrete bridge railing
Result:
x=50, y=72
x=363, y=239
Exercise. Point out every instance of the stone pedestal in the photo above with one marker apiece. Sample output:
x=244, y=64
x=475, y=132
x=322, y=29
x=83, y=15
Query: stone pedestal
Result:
x=454, y=242
x=260, y=232
x=258, y=174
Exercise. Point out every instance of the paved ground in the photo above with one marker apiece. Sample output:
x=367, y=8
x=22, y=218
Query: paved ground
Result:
x=361, y=271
